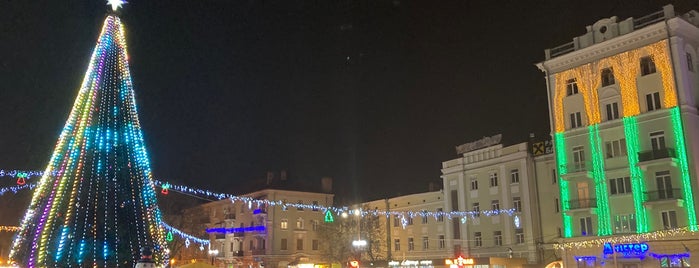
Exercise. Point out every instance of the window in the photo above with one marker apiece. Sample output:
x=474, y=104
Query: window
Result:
x=250, y=245
x=625, y=224
x=495, y=204
x=578, y=158
x=410, y=220
x=664, y=183
x=586, y=226
x=669, y=219
x=283, y=246
x=615, y=148
x=315, y=244
x=517, y=204
x=477, y=239
x=674, y=261
x=657, y=140
x=497, y=238
x=299, y=223
x=442, y=242
x=556, y=206
x=425, y=243
x=440, y=215
x=474, y=184
x=560, y=232
x=396, y=244
x=575, y=120
x=653, y=101
x=647, y=66
x=315, y=205
x=554, y=176
x=299, y=244
x=612, y=111
x=314, y=223
x=519, y=236
x=396, y=221
x=424, y=217
x=300, y=208
x=571, y=87
x=690, y=63
x=514, y=176
x=284, y=224
x=607, y=77
x=620, y=186
x=476, y=209
x=494, y=179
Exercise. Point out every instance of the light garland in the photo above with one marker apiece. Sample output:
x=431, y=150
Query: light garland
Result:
x=634, y=238
x=4, y=228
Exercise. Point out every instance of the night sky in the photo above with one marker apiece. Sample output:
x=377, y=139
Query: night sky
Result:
x=374, y=93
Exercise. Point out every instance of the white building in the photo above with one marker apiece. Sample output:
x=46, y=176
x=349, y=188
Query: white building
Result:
x=245, y=234
x=623, y=102
x=490, y=176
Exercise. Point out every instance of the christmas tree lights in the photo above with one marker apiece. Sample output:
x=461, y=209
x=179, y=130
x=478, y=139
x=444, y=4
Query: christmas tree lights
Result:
x=95, y=203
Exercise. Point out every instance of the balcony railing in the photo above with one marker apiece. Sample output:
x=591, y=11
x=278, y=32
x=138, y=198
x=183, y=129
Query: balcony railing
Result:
x=656, y=154
x=258, y=252
x=667, y=194
x=582, y=203
x=220, y=236
x=573, y=167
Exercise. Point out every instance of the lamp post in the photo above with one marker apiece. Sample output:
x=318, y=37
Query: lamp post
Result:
x=359, y=243
x=213, y=253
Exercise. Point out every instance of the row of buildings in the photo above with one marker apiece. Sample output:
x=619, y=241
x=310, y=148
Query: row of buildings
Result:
x=613, y=187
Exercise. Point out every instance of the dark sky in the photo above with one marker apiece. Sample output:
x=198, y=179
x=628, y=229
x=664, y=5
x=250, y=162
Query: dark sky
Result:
x=373, y=93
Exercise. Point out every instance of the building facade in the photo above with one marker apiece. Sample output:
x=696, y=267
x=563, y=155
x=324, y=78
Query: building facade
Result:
x=255, y=234
x=490, y=176
x=623, y=110
x=413, y=239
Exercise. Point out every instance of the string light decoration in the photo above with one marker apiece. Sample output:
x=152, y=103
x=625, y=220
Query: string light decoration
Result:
x=604, y=221
x=661, y=58
x=559, y=95
x=634, y=238
x=95, y=203
x=188, y=238
x=678, y=131
x=562, y=159
x=626, y=68
x=4, y=228
x=638, y=183
x=587, y=77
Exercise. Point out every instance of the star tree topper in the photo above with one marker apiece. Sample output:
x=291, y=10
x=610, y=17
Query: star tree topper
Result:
x=115, y=4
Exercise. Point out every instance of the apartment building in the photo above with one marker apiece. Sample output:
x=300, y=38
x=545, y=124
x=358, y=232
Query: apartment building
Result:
x=623, y=110
x=490, y=176
x=259, y=234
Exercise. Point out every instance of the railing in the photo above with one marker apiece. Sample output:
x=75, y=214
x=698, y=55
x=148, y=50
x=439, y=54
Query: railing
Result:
x=220, y=236
x=573, y=167
x=666, y=194
x=229, y=216
x=656, y=154
x=562, y=49
x=648, y=19
x=582, y=203
x=258, y=252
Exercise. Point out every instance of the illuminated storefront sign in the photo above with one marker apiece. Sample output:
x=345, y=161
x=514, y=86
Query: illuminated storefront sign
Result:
x=633, y=249
x=460, y=261
x=410, y=263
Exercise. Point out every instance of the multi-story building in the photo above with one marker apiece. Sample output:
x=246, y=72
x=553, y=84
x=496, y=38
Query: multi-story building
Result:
x=490, y=176
x=257, y=234
x=413, y=239
x=623, y=102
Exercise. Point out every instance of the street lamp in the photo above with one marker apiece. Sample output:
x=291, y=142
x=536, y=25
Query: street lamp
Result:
x=213, y=253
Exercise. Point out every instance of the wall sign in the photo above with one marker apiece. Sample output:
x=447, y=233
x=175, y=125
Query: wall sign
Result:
x=635, y=249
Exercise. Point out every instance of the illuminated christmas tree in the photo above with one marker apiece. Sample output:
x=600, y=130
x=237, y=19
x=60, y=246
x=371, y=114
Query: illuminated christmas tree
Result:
x=95, y=206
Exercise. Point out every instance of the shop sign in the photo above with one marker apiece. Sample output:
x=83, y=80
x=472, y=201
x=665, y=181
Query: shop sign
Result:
x=626, y=249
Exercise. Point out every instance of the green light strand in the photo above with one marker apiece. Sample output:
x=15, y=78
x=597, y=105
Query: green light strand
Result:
x=562, y=162
x=604, y=223
x=638, y=184
x=678, y=130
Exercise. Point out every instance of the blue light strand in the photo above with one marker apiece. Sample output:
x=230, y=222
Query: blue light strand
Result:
x=184, y=235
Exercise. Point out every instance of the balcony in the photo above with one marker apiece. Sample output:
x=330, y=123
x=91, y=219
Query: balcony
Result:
x=576, y=170
x=238, y=253
x=657, y=157
x=582, y=203
x=220, y=236
x=258, y=252
x=667, y=196
x=656, y=154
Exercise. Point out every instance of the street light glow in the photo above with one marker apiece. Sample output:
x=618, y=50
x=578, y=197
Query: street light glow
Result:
x=359, y=243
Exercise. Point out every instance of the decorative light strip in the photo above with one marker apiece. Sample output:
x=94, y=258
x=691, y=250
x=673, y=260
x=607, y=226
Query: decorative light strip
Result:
x=336, y=210
x=561, y=159
x=259, y=228
x=5, y=228
x=184, y=235
x=661, y=57
x=587, y=78
x=678, y=130
x=634, y=238
x=638, y=183
x=604, y=221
